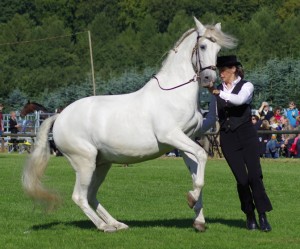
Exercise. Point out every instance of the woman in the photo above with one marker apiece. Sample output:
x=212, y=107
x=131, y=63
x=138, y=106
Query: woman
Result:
x=256, y=121
x=239, y=140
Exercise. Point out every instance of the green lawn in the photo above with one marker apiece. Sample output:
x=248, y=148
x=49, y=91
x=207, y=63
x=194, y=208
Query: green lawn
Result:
x=150, y=197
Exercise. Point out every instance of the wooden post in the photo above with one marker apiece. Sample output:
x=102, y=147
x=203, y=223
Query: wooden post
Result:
x=2, y=144
x=92, y=63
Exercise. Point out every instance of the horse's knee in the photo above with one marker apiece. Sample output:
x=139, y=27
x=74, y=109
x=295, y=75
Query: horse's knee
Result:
x=76, y=199
x=199, y=184
x=202, y=155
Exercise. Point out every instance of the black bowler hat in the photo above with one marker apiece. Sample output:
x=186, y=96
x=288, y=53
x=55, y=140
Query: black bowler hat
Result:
x=227, y=61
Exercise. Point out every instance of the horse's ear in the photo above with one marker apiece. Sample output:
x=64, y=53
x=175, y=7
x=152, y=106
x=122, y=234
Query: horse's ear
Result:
x=218, y=26
x=200, y=27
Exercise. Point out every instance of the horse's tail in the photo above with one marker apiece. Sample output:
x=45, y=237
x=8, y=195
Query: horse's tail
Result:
x=36, y=165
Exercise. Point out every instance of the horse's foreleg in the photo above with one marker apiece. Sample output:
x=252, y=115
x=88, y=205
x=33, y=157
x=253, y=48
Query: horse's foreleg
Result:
x=195, y=159
x=196, y=167
x=195, y=196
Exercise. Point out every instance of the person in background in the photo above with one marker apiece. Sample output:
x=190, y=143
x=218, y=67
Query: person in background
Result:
x=13, y=128
x=272, y=147
x=239, y=140
x=274, y=124
x=294, y=149
x=277, y=113
x=298, y=146
x=1, y=120
x=256, y=121
x=287, y=139
x=265, y=112
x=298, y=121
x=292, y=113
x=264, y=137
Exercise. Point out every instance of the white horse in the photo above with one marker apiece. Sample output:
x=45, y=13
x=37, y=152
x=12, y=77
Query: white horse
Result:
x=96, y=131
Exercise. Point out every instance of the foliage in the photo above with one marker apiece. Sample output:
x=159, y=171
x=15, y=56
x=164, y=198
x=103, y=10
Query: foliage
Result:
x=15, y=100
x=276, y=82
x=128, y=82
x=151, y=200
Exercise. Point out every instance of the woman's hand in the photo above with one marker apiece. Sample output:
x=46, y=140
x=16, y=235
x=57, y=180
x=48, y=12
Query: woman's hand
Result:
x=213, y=90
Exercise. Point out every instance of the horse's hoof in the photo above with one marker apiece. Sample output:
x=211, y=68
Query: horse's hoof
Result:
x=109, y=229
x=200, y=227
x=121, y=226
x=191, y=200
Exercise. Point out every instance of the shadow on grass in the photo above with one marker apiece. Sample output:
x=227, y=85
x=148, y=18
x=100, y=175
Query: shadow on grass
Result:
x=177, y=223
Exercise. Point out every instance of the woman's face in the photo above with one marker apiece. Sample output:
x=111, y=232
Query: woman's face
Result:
x=283, y=120
x=227, y=74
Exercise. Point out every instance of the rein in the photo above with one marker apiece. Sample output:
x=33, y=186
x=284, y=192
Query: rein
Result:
x=172, y=88
x=197, y=68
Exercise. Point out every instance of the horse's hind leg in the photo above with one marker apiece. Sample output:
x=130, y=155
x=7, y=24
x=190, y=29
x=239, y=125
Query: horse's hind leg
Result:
x=97, y=179
x=85, y=168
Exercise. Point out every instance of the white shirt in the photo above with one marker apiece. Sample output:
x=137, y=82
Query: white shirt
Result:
x=243, y=97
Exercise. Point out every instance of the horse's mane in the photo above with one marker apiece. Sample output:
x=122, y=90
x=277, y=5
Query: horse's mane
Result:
x=40, y=107
x=186, y=34
x=224, y=40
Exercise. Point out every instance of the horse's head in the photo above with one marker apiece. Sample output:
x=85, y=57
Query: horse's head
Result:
x=26, y=109
x=31, y=107
x=210, y=39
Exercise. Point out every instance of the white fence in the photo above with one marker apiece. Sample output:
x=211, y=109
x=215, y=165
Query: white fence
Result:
x=29, y=124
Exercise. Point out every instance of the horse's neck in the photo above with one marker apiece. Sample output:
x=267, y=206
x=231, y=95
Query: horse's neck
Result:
x=178, y=67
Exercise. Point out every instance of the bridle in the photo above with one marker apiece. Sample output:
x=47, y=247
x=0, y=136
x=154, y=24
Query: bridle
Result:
x=197, y=66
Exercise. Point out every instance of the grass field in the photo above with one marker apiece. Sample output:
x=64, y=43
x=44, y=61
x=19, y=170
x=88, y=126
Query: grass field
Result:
x=150, y=197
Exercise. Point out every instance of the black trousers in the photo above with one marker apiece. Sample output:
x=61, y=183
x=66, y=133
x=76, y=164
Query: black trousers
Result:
x=241, y=151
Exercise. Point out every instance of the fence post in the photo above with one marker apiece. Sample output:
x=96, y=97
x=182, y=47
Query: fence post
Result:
x=2, y=144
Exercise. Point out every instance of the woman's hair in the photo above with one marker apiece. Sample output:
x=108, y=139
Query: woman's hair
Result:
x=265, y=124
x=277, y=108
x=273, y=120
x=255, y=116
x=239, y=71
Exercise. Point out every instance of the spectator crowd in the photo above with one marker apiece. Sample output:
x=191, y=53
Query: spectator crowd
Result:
x=278, y=145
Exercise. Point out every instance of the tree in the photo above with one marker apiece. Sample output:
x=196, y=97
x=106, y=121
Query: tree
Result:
x=276, y=82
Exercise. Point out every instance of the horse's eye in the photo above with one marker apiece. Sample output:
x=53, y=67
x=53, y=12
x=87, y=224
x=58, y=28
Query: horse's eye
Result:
x=202, y=47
